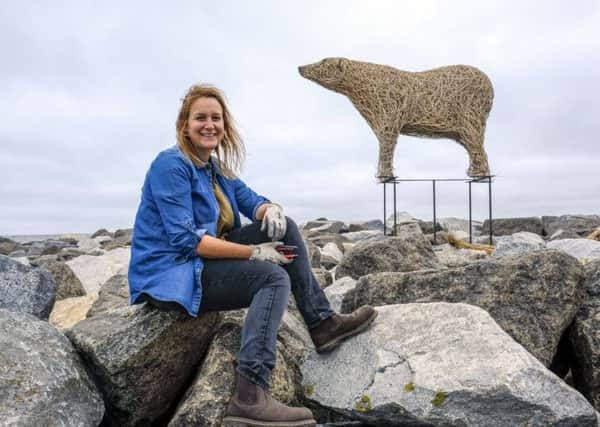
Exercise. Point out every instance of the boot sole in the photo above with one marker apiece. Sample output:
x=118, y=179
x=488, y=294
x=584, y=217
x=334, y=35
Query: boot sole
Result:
x=248, y=422
x=334, y=343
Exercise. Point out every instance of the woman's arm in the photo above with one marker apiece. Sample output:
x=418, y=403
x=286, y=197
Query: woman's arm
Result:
x=260, y=212
x=211, y=247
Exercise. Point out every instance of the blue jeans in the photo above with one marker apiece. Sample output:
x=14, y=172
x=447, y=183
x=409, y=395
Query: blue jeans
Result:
x=264, y=287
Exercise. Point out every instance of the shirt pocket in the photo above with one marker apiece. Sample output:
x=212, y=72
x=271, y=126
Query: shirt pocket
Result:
x=204, y=203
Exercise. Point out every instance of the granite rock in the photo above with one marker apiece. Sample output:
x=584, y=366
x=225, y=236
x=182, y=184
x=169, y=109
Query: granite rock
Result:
x=322, y=239
x=67, y=312
x=314, y=254
x=323, y=277
x=441, y=364
x=507, y=226
x=205, y=400
x=26, y=289
x=406, y=252
x=142, y=358
x=452, y=257
x=582, y=225
x=67, y=283
x=374, y=224
x=584, y=250
x=360, y=236
x=585, y=338
x=336, y=291
x=112, y=295
x=452, y=224
x=101, y=232
x=534, y=297
x=324, y=226
x=42, y=379
x=93, y=271
x=518, y=243
x=8, y=246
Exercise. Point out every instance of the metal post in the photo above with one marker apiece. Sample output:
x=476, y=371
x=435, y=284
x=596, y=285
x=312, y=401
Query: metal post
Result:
x=490, y=203
x=394, y=232
x=470, y=215
x=384, y=209
x=434, y=218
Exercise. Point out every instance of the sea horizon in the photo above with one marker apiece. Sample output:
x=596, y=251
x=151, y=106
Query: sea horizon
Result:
x=24, y=238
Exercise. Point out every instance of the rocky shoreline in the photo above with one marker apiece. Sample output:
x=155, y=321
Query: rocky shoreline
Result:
x=465, y=337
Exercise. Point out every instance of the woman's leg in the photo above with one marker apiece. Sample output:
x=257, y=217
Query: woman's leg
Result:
x=264, y=287
x=310, y=298
x=327, y=329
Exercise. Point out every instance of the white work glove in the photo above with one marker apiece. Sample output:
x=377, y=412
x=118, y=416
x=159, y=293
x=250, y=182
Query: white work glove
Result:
x=268, y=252
x=274, y=222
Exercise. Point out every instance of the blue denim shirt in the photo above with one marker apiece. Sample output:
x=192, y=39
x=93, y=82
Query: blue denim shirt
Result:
x=177, y=208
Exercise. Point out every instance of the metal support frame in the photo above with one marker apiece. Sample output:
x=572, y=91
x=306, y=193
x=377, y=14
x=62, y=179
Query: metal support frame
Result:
x=488, y=179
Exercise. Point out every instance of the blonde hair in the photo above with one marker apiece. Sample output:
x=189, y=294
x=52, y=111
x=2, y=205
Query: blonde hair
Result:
x=230, y=151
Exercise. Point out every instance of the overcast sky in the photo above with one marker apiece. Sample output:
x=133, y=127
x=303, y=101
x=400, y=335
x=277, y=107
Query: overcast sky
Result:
x=90, y=92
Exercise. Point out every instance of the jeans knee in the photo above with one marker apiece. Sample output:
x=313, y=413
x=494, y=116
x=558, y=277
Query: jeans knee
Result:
x=273, y=276
x=291, y=225
x=278, y=277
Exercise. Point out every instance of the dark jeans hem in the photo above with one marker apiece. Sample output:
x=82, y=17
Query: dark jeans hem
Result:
x=253, y=377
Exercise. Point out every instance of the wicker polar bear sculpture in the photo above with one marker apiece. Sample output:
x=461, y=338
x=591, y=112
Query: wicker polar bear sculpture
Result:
x=447, y=102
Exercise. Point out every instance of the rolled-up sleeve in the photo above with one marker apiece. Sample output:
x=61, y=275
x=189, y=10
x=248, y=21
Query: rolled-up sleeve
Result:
x=170, y=182
x=247, y=200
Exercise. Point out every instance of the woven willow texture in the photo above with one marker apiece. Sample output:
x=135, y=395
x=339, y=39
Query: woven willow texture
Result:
x=594, y=235
x=447, y=102
x=461, y=244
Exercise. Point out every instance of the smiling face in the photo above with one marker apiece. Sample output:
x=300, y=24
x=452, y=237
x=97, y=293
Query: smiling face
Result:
x=205, y=125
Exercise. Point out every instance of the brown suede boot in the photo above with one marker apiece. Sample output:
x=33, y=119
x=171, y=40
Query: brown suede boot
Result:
x=251, y=405
x=330, y=333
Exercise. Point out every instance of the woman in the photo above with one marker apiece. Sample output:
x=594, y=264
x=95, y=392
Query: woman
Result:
x=189, y=252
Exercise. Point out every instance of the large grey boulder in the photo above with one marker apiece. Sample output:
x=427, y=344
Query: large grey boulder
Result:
x=562, y=234
x=314, y=254
x=42, y=379
x=408, y=251
x=441, y=365
x=585, y=338
x=26, y=289
x=402, y=217
x=94, y=271
x=584, y=250
x=101, y=232
x=48, y=247
x=518, y=243
x=8, y=246
x=142, y=358
x=121, y=239
x=322, y=239
x=67, y=312
x=331, y=255
x=337, y=290
x=581, y=225
x=507, y=226
x=533, y=297
x=325, y=226
x=113, y=294
x=67, y=283
x=205, y=400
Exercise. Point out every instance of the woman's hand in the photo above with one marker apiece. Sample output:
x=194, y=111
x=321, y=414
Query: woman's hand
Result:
x=268, y=252
x=274, y=222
